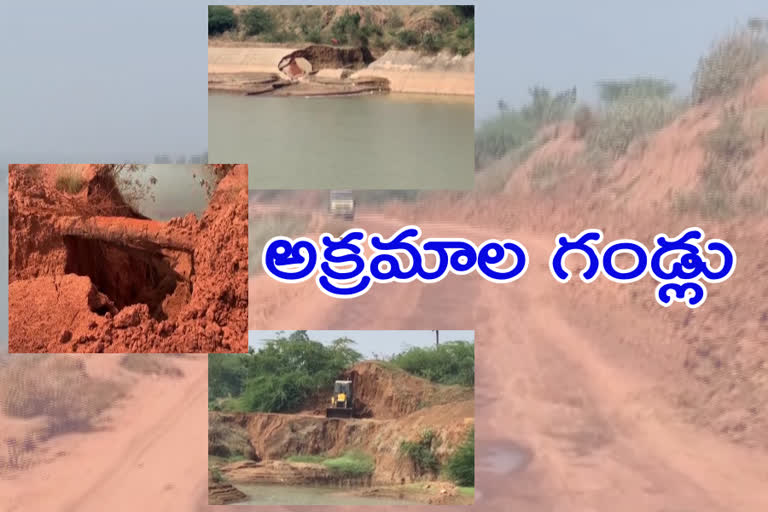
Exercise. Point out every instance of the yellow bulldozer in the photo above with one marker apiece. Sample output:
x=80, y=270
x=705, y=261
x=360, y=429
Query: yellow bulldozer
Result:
x=342, y=401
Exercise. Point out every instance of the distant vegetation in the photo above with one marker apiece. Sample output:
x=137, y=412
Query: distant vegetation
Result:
x=289, y=370
x=449, y=363
x=281, y=375
x=425, y=28
x=627, y=113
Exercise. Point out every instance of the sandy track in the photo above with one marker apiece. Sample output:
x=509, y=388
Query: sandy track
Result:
x=245, y=59
x=152, y=456
x=594, y=420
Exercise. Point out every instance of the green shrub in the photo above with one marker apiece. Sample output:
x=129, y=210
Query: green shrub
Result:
x=460, y=467
x=220, y=19
x=583, y=121
x=432, y=42
x=464, y=11
x=501, y=134
x=282, y=374
x=226, y=374
x=627, y=119
x=407, y=38
x=443, y=17
x=351, y=463
x=277, y=36
x=256, y=20
x=544, y=108
x=613, y=90
x=449, y=363
x=421, y=453
x=346, y=28
x=731, y=64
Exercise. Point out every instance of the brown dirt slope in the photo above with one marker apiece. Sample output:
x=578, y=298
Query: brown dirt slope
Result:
x=717, y=354
x=402, y=406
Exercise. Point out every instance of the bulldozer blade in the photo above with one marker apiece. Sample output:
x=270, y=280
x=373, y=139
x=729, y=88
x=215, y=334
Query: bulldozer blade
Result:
x=338, y=412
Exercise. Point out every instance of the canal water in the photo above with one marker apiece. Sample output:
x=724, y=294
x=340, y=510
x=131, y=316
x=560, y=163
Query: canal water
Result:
x=268, y=494
x=392, y=141
x=174, y=190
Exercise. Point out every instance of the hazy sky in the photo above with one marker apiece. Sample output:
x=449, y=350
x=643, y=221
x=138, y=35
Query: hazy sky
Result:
x=561, y=44
x=88, y=81
x=368, y=343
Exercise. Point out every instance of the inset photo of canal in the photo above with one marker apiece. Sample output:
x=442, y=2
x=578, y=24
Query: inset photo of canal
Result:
x=335, y=96
x=128, y=258
x=343, y=418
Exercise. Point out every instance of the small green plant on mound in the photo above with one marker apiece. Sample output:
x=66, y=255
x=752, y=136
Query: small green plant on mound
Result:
x=216, y=475
x=220, y=19
x=460, y=467
x=69, y=179
x=421, y=453
x=352, y=463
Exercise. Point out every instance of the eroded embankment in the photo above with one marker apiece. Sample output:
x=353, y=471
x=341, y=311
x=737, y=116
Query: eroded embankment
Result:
x=319, y=70
x=89, y=273
x=398, y=413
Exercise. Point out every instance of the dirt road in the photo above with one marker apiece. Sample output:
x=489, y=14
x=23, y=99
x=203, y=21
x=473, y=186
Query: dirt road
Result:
x=150, y=457
x=568, y=416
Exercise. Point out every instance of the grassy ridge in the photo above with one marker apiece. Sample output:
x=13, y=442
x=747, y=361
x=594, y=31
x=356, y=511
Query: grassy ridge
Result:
x=428, y=29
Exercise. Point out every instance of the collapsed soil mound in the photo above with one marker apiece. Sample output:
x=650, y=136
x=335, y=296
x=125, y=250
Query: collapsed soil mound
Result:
x=329, y=57
x=88, y=273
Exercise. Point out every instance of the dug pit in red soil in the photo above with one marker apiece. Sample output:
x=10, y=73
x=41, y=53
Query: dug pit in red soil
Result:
x=89, y=273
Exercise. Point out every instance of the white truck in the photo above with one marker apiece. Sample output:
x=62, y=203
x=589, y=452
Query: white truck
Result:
x=342, y=204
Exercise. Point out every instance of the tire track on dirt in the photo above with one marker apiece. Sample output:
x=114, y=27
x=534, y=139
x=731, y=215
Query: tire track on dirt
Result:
x=112, y=490
x=599, y=433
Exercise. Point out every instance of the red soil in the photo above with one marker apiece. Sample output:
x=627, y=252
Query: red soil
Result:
x=89, y=274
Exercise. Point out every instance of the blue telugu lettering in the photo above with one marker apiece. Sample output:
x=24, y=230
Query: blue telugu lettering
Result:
x=350, y=255
x=299, y=256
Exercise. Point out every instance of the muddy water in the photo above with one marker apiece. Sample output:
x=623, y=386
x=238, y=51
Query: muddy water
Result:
x=392, y=141
x=176, y=192
x=262, y=494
